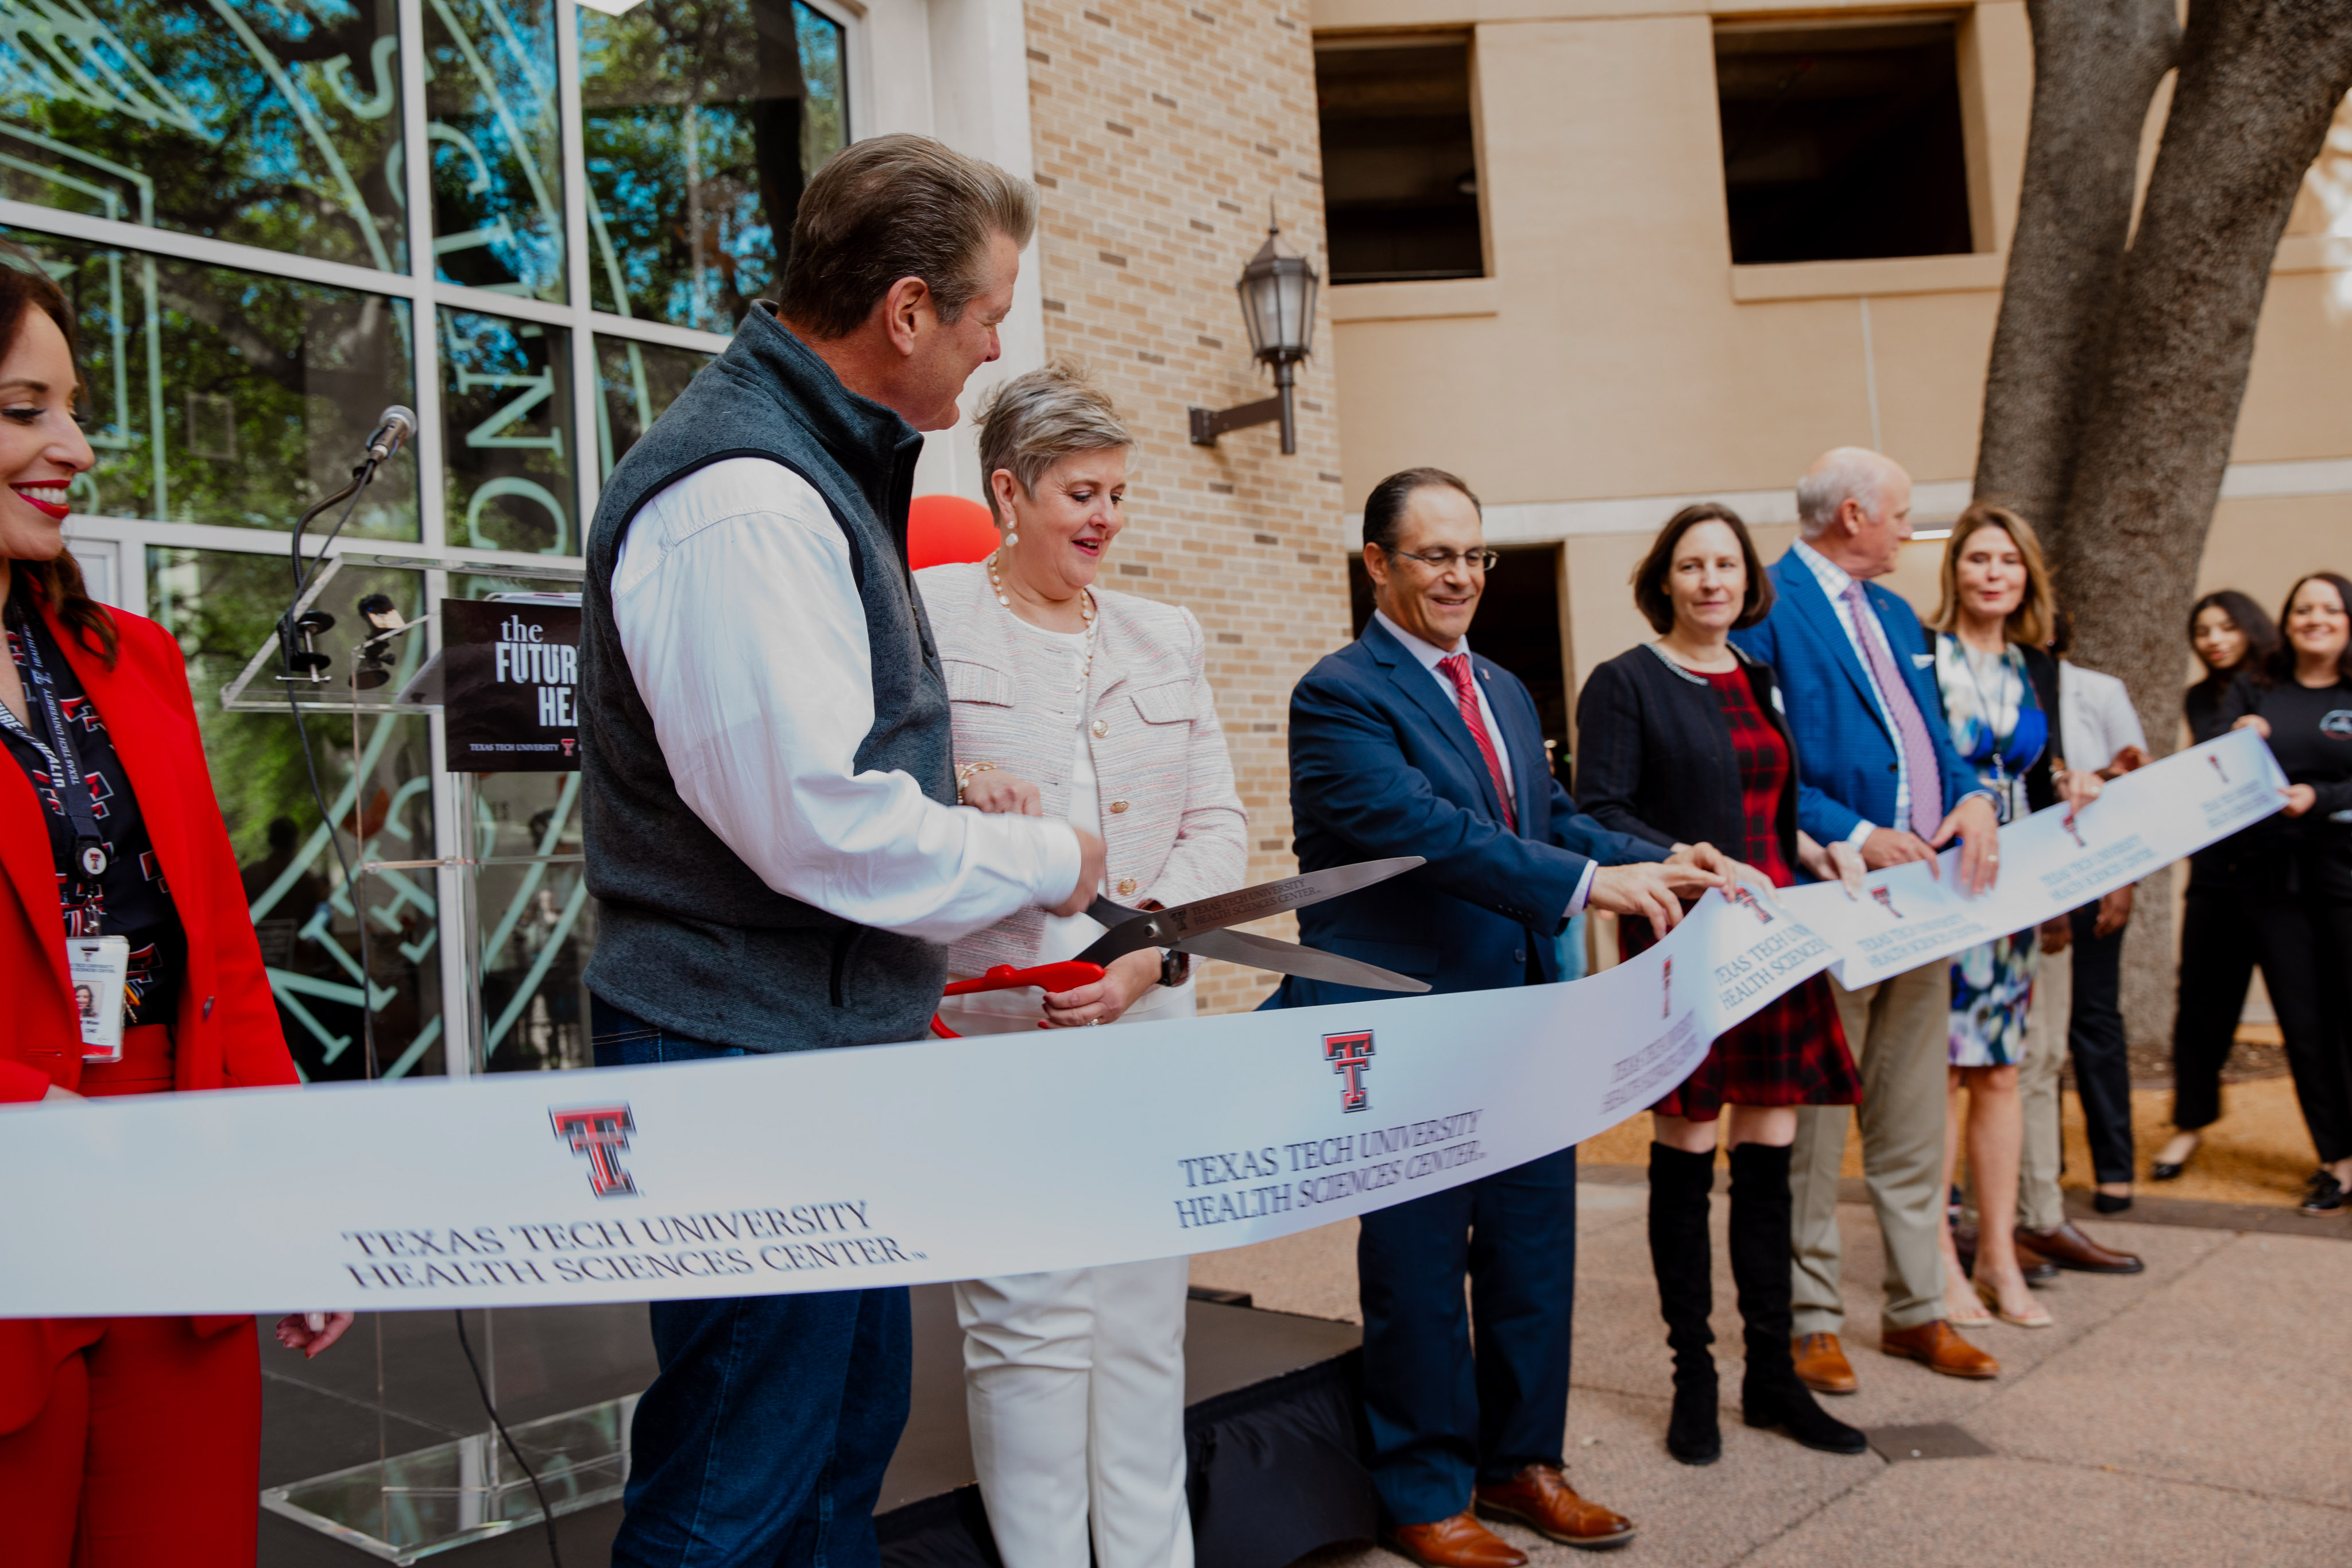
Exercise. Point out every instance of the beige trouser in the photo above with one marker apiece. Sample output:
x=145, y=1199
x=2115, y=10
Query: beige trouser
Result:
x=2039, y=1206
x=1900, y=1033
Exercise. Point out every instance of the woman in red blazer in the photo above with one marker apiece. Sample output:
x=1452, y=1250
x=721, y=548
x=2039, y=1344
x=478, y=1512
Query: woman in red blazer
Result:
x=123, y=1441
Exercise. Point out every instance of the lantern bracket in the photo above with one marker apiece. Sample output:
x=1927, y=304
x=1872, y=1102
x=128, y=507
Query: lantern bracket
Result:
x=1210, y=423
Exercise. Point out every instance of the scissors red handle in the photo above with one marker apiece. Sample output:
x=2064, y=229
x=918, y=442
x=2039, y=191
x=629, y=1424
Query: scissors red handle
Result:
x=1065, y=976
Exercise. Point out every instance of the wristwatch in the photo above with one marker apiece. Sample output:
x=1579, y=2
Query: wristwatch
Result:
x=1175, y=968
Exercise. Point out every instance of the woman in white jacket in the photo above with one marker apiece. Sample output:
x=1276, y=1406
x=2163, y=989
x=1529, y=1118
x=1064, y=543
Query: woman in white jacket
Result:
x=1077, y=702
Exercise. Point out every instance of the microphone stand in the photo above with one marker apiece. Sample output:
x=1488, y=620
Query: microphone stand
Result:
x=305, y=665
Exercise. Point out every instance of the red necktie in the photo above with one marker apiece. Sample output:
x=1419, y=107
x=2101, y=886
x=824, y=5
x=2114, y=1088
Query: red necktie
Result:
x=1457, y=668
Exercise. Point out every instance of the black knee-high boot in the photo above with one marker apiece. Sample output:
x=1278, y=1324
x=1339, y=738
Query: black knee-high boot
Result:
x=1769, y=1394
x=1682, y=1253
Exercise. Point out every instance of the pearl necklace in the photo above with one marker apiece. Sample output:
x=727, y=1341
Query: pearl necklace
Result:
x=1086, y=608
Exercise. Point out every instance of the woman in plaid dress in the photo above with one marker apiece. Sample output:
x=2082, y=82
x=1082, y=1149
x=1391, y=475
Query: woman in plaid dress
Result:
x=1682, y=741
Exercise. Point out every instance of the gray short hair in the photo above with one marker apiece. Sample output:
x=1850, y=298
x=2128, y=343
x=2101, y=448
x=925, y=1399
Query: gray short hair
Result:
x=1844, y=473
x=1040, y=417
x=893, y=207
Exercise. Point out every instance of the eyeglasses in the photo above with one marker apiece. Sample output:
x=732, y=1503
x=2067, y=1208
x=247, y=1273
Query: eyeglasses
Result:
x=1446, y=559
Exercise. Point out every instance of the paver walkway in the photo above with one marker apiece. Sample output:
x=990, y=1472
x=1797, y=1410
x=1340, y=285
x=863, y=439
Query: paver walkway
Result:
x=2192, y=1415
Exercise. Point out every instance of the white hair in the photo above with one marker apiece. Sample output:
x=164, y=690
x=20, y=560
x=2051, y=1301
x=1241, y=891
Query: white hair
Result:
x=1844, y=474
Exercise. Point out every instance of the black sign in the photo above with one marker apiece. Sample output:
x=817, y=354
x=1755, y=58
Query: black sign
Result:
x=511, y=686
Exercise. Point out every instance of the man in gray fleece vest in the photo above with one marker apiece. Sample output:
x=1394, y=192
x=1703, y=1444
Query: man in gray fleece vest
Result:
x=772, y=832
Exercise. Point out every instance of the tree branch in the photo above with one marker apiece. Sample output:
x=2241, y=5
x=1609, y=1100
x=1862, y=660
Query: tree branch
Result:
x=2096, y=67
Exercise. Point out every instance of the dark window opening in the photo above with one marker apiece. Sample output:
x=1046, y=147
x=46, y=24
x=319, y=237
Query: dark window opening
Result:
x=1399, y=173
x=1841, y=144
x=1517, y=627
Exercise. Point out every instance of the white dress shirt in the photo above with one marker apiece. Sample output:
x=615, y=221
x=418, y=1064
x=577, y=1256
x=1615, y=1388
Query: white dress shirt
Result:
x=1429, y=653
x=1834, y=581
x=2096, y=717
x=743, y=629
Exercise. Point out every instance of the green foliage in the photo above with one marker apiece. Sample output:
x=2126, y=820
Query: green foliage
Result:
x=498, y=161
x=506, y=401
x=222, y=607
x=268, y=387
x=264, y=122
x=703, y=121
x=637, y=382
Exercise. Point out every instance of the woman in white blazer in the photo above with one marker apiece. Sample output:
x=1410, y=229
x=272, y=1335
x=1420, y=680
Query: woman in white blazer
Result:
x=1080, y=704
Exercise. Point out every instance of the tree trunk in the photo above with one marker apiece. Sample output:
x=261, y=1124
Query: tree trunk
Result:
x=2259, y=80
x=2096, y=65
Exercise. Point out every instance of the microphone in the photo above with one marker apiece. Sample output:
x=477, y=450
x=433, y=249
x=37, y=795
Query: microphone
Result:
x=393, y=428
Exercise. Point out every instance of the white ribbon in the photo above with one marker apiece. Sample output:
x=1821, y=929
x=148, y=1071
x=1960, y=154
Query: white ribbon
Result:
x=952, y=1159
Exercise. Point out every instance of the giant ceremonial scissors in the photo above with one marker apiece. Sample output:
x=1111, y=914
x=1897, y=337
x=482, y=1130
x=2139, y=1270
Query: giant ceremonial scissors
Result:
x=1204, y=928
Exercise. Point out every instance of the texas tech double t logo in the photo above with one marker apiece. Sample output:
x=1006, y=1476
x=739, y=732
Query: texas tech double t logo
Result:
x=1351, y=1056
x=601, y=1133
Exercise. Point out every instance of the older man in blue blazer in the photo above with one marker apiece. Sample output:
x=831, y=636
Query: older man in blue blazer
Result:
x=1876, y=769
x=1405, y=742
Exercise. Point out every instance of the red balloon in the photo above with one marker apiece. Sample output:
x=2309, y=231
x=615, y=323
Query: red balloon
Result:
x=942, y=529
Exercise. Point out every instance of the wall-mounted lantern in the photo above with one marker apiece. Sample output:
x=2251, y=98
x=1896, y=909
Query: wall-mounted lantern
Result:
x=1277, y=290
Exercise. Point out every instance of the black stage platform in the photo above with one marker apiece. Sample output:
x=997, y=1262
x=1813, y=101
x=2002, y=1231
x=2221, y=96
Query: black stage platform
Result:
x=1271, y=1427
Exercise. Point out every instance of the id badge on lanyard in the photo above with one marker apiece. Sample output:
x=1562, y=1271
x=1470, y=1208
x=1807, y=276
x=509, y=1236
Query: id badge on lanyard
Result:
x=99, y=967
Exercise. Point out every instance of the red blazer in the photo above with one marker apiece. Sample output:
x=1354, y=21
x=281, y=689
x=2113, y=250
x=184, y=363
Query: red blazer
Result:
x=227, y=1033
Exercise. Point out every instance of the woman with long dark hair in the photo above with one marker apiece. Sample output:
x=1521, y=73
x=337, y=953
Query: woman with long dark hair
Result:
x=133, y=1440
x=2230, y=635
x=2296, y=889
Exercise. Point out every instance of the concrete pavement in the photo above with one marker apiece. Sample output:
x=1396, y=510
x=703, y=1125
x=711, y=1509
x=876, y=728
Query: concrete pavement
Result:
x=2190, y=1415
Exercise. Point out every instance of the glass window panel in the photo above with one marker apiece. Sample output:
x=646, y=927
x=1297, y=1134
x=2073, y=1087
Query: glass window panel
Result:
x=704, y=120
x=538, y=924
x=227, y=397
x=497, y=160
x=506, y=406
x=637, y=382
x=222, y=606
x=267, y=122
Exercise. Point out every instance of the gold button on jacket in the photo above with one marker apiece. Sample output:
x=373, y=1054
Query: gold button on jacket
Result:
x=1147, y=717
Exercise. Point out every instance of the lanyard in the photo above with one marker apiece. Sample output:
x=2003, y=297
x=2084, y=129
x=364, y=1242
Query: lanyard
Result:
x=2008, y=664
x=89, y=856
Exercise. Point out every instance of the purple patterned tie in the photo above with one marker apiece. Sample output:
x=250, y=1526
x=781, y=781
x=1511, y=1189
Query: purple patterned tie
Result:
x=1918, y=751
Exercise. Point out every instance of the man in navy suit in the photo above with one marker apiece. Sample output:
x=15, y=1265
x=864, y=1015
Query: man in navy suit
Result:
x=1405, y=742
x=1875, y=769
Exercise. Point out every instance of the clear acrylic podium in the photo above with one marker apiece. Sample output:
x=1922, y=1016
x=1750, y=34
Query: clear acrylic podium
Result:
x=409, y=1506
x=505, y=924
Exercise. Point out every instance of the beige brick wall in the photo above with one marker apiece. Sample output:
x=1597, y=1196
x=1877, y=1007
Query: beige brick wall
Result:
x=1161, y=130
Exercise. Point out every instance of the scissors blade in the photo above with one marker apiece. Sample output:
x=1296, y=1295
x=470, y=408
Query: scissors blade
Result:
x=1131, y=931
x=1290, y=959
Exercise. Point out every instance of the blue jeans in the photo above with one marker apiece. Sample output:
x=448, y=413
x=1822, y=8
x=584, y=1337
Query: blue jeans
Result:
x=764, y=1440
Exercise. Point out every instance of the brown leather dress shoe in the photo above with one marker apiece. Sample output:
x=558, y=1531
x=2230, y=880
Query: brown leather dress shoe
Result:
x=1540, y=1498
x=2069, y=1248
x=1941, y=1348
x=1460, y=1541
x=1821, y=1366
